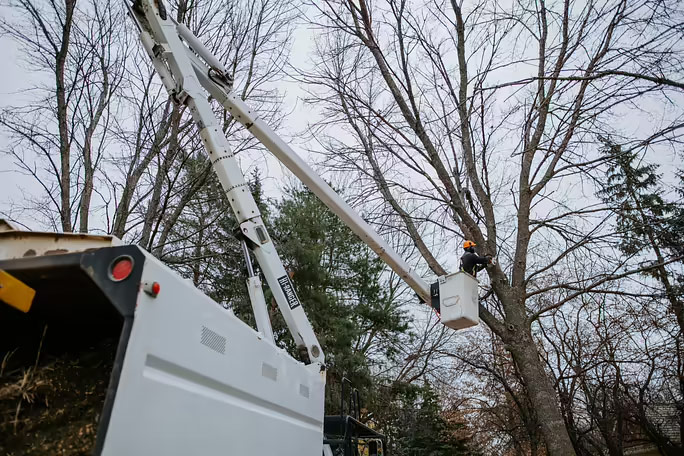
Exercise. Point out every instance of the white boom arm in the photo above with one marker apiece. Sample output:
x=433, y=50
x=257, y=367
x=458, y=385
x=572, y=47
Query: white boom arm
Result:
x=187, y=69
x=322, y=190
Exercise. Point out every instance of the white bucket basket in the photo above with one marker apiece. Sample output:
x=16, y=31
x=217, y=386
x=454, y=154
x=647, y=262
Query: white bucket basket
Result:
x=458, y=300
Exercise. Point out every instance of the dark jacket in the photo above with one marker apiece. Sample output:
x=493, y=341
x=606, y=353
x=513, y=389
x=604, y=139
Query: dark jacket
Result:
x=471, y=262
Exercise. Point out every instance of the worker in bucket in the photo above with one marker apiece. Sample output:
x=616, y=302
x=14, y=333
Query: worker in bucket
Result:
x=471, y=262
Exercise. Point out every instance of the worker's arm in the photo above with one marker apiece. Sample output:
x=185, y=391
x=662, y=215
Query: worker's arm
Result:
x=482, y=262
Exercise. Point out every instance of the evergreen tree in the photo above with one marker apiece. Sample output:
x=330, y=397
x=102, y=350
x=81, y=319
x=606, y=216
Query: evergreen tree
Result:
x=204, y=248
x=420, y=426
x=648, y=224
x=645, y=221
x=676, y=221
x=358, y=323
x=339, y=280
x=632, y=190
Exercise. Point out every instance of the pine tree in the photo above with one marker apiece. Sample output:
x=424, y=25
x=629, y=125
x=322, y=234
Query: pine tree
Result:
x=422, y=427
x=204, y=247
x=632, y=190
x=645, y=221
x=648, y=224
x=339, y=281
x=675, y=223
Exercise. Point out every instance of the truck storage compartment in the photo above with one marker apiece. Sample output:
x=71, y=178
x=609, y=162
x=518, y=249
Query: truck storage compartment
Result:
x=57, y=361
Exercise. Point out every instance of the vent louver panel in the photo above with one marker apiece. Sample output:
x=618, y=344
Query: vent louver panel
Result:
x=213, y=340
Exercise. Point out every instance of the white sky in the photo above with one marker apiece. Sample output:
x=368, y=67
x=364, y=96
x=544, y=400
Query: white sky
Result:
x=15, y=79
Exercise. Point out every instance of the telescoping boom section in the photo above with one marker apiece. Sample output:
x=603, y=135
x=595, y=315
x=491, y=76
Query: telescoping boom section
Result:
x=189, y=71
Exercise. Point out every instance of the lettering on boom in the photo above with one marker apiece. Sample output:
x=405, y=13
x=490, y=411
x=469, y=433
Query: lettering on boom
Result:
x=289, y=292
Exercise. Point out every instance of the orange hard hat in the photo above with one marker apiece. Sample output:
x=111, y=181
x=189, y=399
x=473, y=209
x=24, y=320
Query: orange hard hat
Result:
x=467, y=244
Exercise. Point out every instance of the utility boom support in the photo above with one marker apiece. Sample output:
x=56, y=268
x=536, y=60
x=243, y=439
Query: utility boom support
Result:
x=176, y=63
x=322, y=190
x=187, y=69
x=284, y=153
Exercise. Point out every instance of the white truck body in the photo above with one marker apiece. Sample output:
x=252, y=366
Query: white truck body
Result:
x=189, y=377
x=197, y=380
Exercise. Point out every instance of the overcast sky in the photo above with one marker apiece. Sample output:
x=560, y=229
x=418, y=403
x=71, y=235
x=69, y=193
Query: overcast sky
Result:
x=13, y=79
x=16, y=79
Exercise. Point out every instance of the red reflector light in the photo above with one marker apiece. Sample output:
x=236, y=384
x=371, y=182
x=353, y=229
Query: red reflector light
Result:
x=152, y=288
x=121, y=268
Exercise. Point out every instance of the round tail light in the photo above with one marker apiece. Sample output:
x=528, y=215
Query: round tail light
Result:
x=121, y=268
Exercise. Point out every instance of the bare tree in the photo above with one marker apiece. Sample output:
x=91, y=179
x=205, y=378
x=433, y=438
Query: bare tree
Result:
x=59, y=138
x=253, y=37
x=484, y=120
x=501, y=414
x=616, y=362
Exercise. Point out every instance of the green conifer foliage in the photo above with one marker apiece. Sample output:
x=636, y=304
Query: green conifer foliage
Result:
x=633, y=192
x=340, y=281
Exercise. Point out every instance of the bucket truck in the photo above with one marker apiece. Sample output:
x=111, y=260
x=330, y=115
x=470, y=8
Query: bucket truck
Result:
x=188, y=376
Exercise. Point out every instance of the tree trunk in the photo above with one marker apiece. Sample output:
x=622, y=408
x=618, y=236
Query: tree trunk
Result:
x=541, y=392
x=88, y=165
x=153, y=207
x=136, y=170
x=169, y=157
x=88, y=176
x=63, y=119
x=158, y=250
